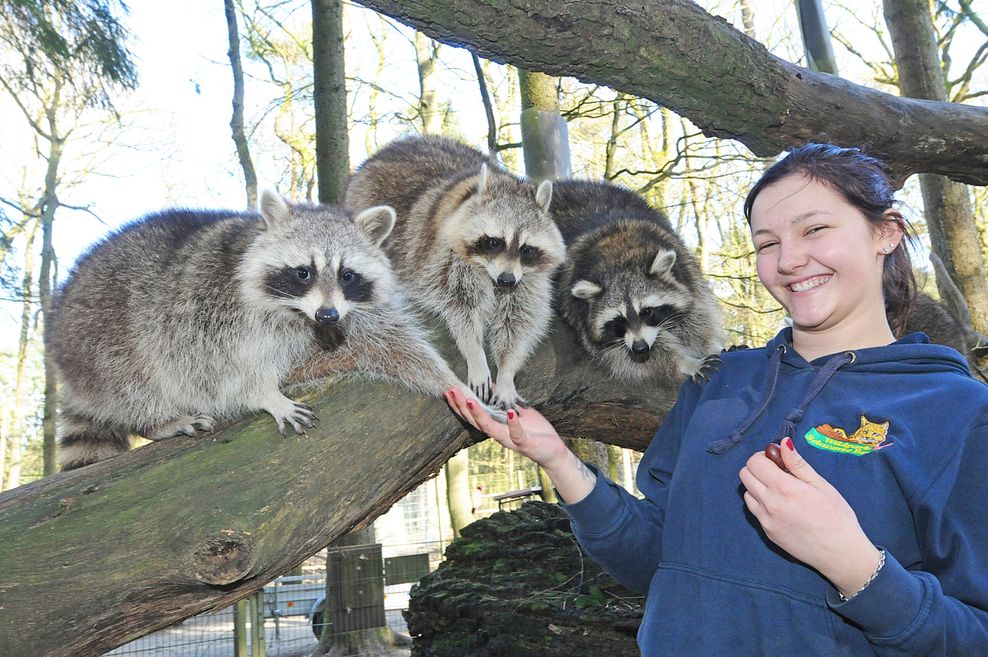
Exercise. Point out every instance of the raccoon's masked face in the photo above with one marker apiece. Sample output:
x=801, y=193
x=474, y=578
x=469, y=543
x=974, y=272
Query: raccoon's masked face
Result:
x=628, y=312
x=508, y=234
x=317, y=263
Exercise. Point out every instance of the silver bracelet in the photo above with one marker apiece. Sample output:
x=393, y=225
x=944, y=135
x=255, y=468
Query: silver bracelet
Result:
x=874, y=574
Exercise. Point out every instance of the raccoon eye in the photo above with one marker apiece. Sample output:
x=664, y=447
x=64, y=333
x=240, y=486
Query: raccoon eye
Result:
x=349, y=275
x=645, y=313
x=529, y=253
x=495, y=243
x=303, y=273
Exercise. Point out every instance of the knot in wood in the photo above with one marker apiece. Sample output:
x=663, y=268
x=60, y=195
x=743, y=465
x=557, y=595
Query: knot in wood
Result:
x=223, y=559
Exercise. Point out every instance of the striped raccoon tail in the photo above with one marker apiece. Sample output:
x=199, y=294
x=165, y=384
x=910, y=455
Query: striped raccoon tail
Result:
x=86, y=441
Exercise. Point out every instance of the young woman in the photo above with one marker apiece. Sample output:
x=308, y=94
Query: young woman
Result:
x=873, y=539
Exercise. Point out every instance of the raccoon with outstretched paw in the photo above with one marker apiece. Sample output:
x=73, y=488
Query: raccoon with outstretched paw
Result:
x=474, y=244
x=630, y=288
x=185, y=318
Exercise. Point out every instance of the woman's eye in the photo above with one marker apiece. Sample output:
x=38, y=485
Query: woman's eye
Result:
x=762, y=247
x=303, y=273
x=815, y=229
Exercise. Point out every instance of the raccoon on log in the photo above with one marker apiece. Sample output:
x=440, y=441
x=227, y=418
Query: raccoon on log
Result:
x=474, y=244
x=187, y=317
x=630, y=288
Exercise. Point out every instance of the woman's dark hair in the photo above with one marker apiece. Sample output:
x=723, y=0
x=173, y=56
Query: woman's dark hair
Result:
x=862, y=181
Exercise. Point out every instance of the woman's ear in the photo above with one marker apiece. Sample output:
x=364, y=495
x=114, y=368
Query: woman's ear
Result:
x=892, y=231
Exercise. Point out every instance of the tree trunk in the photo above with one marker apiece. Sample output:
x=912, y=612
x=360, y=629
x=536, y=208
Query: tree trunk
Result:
x=13, y=479
x=45, y=278
x=677, y=55
x=427, y=55
x=544, y=135
x=816, y=36
x=949, y=215
x=237, y=121
x=329, y=82
x=187, y=525
x=458, y=496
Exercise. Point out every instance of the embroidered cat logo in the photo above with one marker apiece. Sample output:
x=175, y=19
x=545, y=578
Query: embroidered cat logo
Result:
x=869, y=437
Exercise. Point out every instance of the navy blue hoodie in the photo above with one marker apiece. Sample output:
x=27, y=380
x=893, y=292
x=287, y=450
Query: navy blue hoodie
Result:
x=717, y=586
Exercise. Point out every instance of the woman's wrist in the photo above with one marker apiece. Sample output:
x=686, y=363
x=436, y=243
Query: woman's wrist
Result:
x=857, y=573
x=571, y=477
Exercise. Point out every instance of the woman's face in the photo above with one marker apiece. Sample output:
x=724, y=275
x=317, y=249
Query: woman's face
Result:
x=818, y=255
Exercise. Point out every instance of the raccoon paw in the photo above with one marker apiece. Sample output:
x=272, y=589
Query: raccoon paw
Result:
x=735, y=347
x=707, y=367
x=298, y=416
x=504, y=400
x=191, y=425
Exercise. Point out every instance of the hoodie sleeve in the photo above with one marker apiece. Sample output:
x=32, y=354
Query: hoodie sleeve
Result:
x=620, y=531
x=941, y=608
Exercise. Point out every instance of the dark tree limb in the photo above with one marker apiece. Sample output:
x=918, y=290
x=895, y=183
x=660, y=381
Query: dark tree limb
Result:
x=674, y=53
x=96, y=557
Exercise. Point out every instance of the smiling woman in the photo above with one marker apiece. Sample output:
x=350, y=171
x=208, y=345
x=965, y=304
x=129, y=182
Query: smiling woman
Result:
x=866, y=539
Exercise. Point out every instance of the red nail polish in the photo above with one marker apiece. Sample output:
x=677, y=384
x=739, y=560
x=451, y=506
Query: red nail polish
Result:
x=788, y=442
x=470, y=404
x=511, y=415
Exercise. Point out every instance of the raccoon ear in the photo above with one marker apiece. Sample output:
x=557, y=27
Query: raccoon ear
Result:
x=376, y=222
x=482, y=180
x=543, y=195
x=663, y=262
x=274, y=208
x=584, y=289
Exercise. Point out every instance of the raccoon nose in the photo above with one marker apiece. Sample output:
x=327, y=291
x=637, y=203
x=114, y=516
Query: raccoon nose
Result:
x=327, y=316
x=639, y=347
x=506, y=279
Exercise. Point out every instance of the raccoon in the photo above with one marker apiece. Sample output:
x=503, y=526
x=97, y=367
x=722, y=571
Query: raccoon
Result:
x=475, y=244
x=934, y=319
x=630, y=289
x=187, y=317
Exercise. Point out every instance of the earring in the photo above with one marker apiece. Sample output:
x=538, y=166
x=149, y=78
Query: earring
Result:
x=885, y=250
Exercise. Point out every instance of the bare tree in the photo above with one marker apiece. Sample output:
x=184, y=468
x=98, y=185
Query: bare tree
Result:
x=949, y=215
x=237, y=120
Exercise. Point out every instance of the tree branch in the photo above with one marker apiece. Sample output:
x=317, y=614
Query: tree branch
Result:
x=727, y=84
x=113, y=551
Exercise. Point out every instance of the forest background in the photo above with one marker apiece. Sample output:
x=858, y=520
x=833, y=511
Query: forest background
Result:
x=160, y=136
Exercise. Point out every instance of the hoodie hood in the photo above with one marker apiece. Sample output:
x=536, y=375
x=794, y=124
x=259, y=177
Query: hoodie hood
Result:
x=910, y=354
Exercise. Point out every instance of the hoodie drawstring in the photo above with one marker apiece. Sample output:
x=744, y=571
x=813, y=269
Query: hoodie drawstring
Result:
x=794, y=416
x=724, y=444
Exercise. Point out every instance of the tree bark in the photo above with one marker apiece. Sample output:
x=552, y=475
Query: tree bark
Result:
x=730, y=86
x=949, y=215
x=96, y=557
x=237, y=120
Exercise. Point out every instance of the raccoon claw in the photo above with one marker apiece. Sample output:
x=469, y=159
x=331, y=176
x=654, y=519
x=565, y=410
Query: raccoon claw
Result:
x=508, y=402
x=708, y=366
x=192, y=425
x=484, y=391
x=295, y=415
x=735, y=347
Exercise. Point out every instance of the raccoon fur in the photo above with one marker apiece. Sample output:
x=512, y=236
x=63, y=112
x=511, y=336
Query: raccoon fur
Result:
x=188, y=317
x=630, y=288
x=474, y=244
